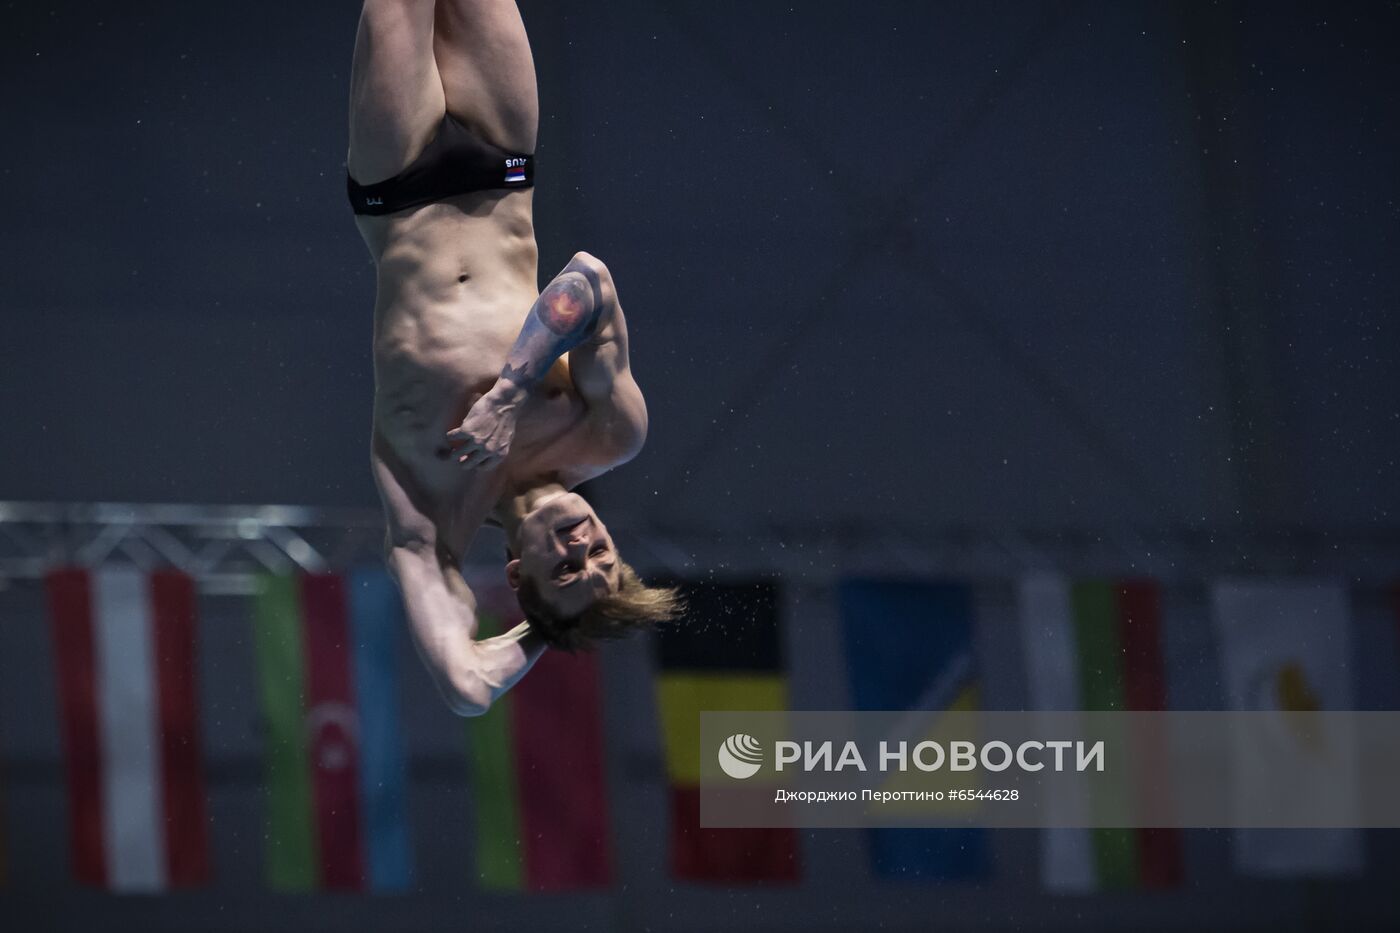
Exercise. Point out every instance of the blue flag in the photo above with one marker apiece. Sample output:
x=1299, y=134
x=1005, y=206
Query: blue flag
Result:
x=376, y=619
x=908, y=647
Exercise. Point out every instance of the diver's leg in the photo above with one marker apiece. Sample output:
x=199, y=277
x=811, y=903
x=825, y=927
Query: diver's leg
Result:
x=488, y=74
x=396, y=99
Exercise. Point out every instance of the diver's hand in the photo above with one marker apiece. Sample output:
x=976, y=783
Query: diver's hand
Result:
x=483, y=439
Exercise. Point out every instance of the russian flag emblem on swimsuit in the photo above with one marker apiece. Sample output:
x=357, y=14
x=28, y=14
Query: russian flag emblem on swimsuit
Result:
x=515, y=170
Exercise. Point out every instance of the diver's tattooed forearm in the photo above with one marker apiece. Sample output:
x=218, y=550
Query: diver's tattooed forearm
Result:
x=564, y=316
x=514, y=374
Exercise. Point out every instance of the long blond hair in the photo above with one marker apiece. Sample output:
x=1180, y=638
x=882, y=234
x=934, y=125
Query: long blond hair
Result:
x=634, y=607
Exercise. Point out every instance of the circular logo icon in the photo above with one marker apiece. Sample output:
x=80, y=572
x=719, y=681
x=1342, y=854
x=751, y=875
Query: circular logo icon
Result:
x=741, y=756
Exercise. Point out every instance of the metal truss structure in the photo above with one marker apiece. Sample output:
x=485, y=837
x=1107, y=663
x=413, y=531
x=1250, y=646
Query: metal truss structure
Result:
x=226, y=547
x=223, y=547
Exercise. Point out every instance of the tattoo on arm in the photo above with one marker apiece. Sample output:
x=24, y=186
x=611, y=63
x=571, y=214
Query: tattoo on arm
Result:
x=515, y=374
x=565, y=305
x=564, y=316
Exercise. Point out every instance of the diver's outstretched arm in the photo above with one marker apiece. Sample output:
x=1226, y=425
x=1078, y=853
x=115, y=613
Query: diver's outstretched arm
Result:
x=441, y=608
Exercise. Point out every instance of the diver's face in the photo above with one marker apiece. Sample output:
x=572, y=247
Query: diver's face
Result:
x=567, y=552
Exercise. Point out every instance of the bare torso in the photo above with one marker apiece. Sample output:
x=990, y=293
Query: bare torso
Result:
x=455, y=280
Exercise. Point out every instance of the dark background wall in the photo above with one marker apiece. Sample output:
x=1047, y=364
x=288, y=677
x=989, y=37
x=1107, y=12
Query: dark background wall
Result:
x=892, y=270
x=1041, y=264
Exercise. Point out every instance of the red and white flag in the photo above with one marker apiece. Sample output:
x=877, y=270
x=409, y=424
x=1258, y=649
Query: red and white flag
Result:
x=124, y=650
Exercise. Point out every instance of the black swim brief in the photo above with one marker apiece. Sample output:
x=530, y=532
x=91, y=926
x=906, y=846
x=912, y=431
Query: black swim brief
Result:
x=456, y=161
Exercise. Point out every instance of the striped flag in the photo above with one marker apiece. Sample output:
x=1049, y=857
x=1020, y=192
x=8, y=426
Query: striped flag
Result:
x=1286, y=649
x=125, y=654
x=1097, y=645
x=725, y=655
x=537, y=758
x=337, y=809
x=909, y=647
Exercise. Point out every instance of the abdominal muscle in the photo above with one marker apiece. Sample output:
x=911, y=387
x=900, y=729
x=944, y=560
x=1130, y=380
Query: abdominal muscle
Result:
x=455, y=281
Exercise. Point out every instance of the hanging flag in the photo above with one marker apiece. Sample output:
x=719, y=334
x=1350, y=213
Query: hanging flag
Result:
x=1097, y=645
x=1286, y=649
x=124, y=651
x=538, y=769
x=377, y=625
x=337, y=809
x=909, y=647
x=724, y=655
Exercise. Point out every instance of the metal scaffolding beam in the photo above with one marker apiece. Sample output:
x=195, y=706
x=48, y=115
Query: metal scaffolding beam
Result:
x=225, y=548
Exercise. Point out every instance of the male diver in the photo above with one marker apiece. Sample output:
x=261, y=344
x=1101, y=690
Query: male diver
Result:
x=478, y=417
